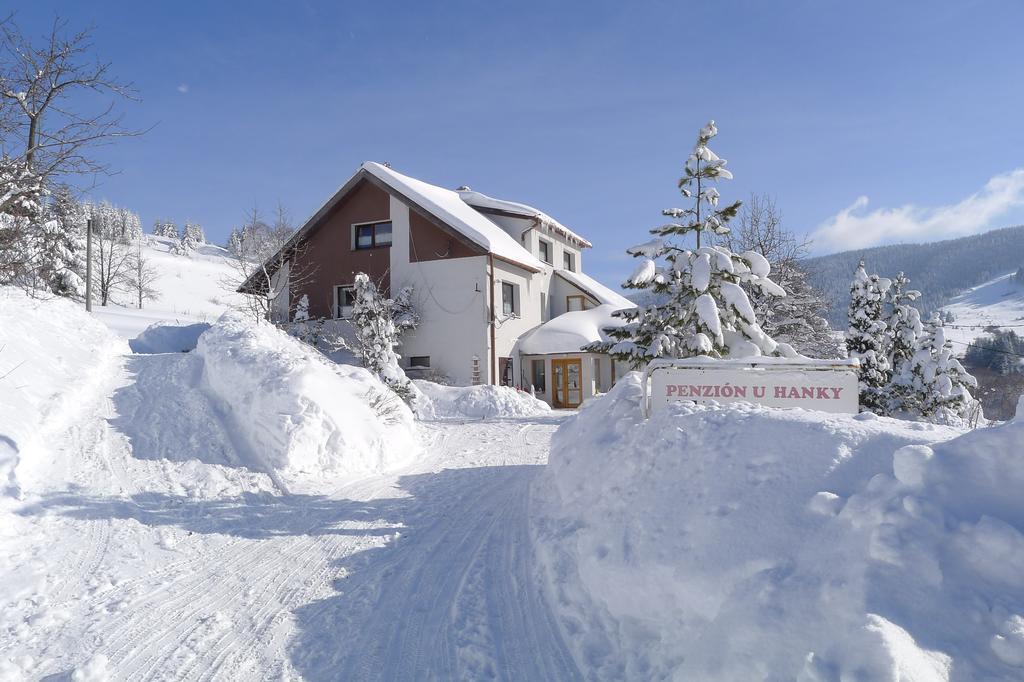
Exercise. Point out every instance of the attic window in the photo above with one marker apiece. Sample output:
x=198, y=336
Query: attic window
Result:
x=372, y=235
x=569, y=261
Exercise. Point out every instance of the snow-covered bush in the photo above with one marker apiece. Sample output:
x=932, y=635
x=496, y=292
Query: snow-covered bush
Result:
x=376, y=336
x=705, y=310
x=301, y=417
x=435, y=401
x=749, y=543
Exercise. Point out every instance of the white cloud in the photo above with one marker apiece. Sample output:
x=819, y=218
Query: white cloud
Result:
x=183, y=88
x=853, y=228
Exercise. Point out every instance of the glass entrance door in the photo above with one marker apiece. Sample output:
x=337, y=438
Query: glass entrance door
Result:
x=567, y=382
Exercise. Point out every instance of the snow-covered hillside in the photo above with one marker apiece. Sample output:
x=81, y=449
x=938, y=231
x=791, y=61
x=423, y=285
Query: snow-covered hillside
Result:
x=749, y=543
x=192, y=288
x=997, y=303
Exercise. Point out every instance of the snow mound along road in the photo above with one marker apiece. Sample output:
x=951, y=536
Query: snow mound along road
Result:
x=435, y=401
x=165, y=337
x=52, y=354
x=745, y=542
x=300, y=417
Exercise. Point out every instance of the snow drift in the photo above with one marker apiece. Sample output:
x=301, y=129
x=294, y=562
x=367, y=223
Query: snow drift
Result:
x=51, y=354
x=166, y=337
x=301, y=418
x=435, y=401
x=744, y=542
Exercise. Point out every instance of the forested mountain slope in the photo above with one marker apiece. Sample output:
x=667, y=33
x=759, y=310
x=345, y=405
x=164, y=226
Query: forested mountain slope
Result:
x=940, y=270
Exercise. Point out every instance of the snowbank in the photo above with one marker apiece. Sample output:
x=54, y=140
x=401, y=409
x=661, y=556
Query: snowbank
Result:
x=748, y=543
x=165, y=337
x=52, y=353
x=301, y=418
x=435, y=401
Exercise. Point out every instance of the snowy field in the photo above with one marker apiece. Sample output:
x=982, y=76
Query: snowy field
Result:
x=998, y=303
x=193, y=288
x=246, y=511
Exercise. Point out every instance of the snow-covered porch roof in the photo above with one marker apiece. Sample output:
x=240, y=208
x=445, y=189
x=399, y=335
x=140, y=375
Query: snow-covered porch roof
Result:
x=569, y=332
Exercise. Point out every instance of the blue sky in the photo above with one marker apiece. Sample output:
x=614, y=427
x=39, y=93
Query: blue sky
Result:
x=869, y=122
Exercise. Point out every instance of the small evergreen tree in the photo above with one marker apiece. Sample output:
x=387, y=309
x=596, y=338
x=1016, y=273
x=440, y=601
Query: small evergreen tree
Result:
x=376, y=336
x=903, y=333
x=866, y=339
x=165, y=228
x=705, y=310
x=194, y=232
x=941, y=383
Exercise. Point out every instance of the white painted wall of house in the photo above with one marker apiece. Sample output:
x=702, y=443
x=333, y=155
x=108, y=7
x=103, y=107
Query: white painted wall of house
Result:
x=451, y=297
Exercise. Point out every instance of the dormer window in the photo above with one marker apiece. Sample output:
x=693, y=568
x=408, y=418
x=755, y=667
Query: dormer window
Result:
x=569, y=261
x=545, y=251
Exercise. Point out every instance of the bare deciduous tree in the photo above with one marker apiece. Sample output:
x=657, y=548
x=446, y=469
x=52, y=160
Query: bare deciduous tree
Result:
x=143, y=276
x=267, y=263
x=42, y=120
x=798, y=318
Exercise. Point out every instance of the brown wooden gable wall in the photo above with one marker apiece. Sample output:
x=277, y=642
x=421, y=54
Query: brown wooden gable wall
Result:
x=326, y=258
x=427, y=241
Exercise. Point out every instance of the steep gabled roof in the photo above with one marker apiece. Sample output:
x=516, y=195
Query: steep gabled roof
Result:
x=502, y=207
x=598, y=291
x=447, y=206
x=443, y=206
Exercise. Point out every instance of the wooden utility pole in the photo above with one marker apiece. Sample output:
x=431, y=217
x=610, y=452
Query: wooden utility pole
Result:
x=88, y=265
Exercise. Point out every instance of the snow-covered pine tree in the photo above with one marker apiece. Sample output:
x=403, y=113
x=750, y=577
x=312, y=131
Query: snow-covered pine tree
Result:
x=941, y=383
x=705, y=310
x=867, y=340
x=165, y=228
x=904, y=330
x=376, y=336
x=186, y=245
x=195, y=232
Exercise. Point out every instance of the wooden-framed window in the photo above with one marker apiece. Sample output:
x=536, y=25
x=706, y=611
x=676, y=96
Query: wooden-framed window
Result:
x=569, y=261
x=419, y=361
x=508, y=299
x=344, y=301
x=576, y=303
x=545, y=250
x=505, y=374
x=372, y=235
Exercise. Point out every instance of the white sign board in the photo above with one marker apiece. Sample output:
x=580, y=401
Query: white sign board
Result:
x=827, y=386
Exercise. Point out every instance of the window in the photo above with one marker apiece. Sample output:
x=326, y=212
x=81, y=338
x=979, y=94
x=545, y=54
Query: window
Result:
x=373, y=235
x=508, y=299
x=543, y=307
x=419, y=361
x=545, y=251
x=539, y=376
x=505, y=371
x=568, y=261
x=576, y=303
x=344, y=300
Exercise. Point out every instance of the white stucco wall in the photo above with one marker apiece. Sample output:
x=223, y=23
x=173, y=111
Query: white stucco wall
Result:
x=451, y=297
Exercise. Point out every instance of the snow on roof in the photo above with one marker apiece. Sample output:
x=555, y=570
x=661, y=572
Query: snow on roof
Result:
x=480, y=200
x=446, y=205
x=599, y=291
x=570, y=332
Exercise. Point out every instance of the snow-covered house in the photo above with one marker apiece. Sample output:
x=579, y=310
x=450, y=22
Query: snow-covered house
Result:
x=498, y=284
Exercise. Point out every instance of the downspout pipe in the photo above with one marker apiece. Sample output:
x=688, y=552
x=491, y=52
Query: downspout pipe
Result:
x=494, y=345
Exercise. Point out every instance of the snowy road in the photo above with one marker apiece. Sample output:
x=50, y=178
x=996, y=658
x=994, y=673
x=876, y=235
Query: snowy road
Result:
x=155, y=551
